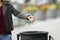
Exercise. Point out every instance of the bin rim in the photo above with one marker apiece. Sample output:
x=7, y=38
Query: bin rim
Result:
x=33, y=32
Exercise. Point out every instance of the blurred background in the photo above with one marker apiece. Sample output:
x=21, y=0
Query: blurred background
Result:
x=40, y=9
x=46, y=13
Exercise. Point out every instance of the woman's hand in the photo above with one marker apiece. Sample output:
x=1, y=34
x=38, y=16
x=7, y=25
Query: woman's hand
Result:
x=31, y=18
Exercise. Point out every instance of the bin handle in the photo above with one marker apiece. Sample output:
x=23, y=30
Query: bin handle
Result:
x=18, y=36
x=50, y=37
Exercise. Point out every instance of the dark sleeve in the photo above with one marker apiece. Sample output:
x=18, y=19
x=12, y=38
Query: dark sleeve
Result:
x=18, y=13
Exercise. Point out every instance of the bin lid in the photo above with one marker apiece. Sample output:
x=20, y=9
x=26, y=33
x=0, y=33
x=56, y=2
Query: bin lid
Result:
x=33, y=32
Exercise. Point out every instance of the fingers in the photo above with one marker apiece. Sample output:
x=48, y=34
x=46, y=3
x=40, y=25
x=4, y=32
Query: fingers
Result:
x=31, y=18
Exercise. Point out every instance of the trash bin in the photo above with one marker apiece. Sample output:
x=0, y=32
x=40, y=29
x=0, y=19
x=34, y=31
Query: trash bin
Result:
x=34, y=35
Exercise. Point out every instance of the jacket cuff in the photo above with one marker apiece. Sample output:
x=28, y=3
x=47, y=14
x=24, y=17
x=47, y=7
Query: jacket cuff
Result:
x=27, y=17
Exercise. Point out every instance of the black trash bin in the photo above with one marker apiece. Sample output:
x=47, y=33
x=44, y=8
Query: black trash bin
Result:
x=34, y=35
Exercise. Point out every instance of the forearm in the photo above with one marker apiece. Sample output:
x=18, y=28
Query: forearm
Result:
x=19, y=14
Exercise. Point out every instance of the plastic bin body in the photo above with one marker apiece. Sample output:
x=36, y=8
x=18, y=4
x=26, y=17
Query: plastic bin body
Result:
x=34, y=35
